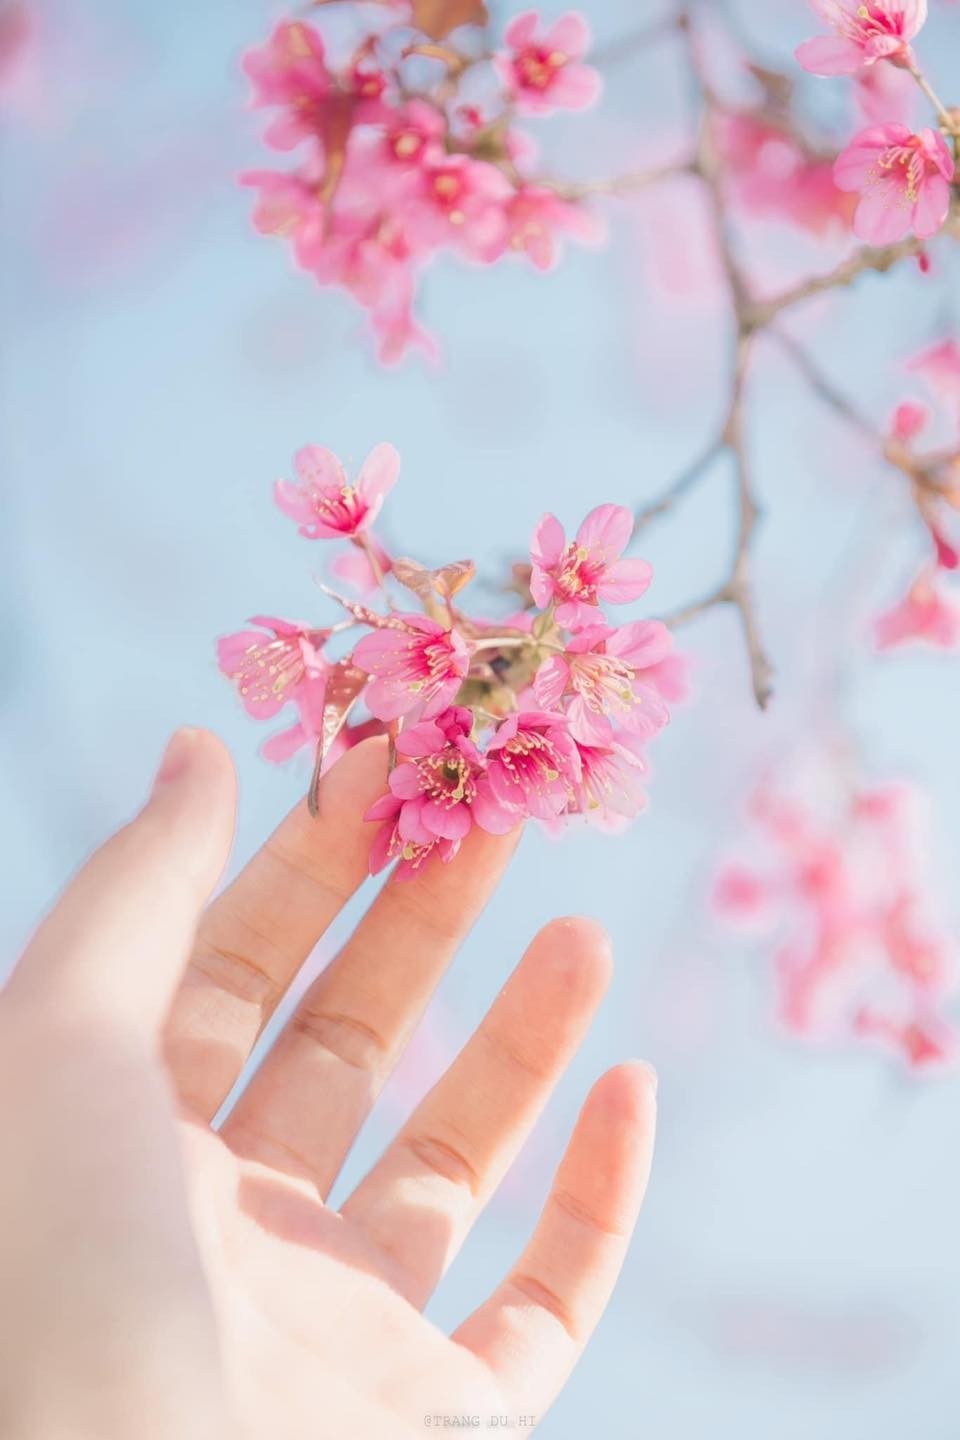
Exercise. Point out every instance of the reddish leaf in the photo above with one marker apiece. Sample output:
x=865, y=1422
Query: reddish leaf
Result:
x=414, y=576
x=437, y=18
x=345, y=685
x=452, y=578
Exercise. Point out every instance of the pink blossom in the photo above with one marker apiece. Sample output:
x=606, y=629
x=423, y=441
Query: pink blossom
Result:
x=609, y=674
x=390, y=844
x=411, y=132
x=536, y=215
x=324, y=505
x=415, y=664
x=909, y=421
x=903, y=181
x=580, y=575
x=923, y=615
x=533, y=766
x=940, y=367
x=862, y=34
x=543, y=72
x=921, y=1042
x=460, y=203
x=436, y=779
x=290, y=69
x=775, y=177
x=272, y=669
x=611, y=790
x=841, y=877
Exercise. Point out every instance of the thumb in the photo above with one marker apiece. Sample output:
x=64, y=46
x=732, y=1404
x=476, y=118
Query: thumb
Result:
x=116, y=942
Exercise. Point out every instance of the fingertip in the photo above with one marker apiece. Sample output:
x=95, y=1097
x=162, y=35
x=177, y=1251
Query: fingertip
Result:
x=578, y=948
x=625, y=1097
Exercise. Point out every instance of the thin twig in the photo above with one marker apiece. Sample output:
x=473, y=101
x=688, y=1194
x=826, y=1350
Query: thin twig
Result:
x=822, y=386
x=679, y=487
x=628, y=184
x=737, y=590
x=878, y=260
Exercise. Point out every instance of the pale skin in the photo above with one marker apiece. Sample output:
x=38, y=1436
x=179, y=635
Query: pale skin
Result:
x=160, y=1278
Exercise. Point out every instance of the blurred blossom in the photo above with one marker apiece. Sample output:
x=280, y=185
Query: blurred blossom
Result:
x=839, y=876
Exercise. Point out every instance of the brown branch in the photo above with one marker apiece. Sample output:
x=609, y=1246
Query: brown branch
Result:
x=628, y=184
x=846, y=273
x=929, y=472
x=737, y=590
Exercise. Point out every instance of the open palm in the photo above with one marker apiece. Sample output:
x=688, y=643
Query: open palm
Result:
x=318, y=1311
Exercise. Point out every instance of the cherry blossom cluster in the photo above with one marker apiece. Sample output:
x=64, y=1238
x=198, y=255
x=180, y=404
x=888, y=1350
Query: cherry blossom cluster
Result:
x=546, y=714
x=840, y=877
x=903, y=178
x=409, y=148
x=930, y=611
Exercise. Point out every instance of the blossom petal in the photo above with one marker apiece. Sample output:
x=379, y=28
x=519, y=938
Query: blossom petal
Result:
x=548, y=542
x=642, y=643
x=626, y=581
x=551, y=681
x=576, y=87
x=828, y=55
x=932, y=207
x=378, y=475
x=423, y=739
x=607, y=529
x=447, y=822
x=522, y=29
x=318, y=466
x=282, y=747
x=883, y=216
x=571, y=34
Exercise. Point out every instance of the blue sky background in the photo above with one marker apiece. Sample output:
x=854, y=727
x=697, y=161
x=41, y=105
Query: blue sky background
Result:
x=797, y=1269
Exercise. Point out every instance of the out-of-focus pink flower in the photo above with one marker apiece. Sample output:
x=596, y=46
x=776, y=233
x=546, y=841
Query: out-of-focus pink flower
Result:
x=884, y=93
x=903, y=181
x=774, y=177
x=923, y=1043
x=411, y=132
x=324, y=505
x=611, y=674
x=611, y=791
x=290, y=71
x=940, y=367
x=588, y=571
x=535, y=216
x=543, y=70
x=271, y=669
x=291, y=68
x=415, y=663
x=862, y=34
x=842, y=879
x=909, y=421
x=924, y=615
x=461, y=204
x=533, y=766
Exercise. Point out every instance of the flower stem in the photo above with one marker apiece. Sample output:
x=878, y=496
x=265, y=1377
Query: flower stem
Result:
x=947, y=120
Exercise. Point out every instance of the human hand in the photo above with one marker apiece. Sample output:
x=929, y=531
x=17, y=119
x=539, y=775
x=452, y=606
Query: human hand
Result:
x=161, y=1278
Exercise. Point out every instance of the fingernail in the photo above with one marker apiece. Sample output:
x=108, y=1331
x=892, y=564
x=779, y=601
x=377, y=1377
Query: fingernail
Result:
x=177, y=756
x=652, y=1075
